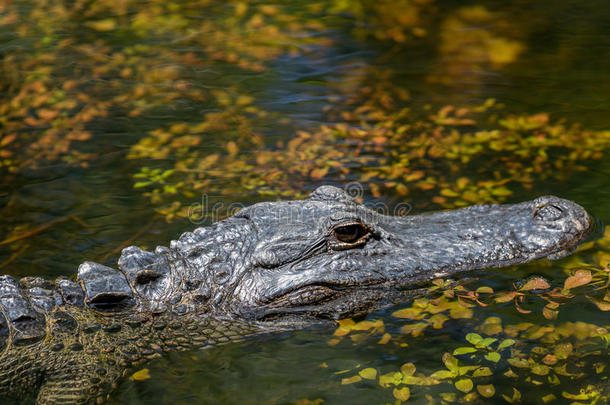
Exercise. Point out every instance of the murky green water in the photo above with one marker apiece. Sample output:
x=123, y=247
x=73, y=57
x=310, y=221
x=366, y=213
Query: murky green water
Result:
x=117, y=116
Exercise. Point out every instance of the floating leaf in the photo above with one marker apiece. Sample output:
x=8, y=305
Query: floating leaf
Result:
x=412, y=380
x=536, y=283
x=450, y=362
x=368, y=373
x=482, y=372
x=345, y=326
x=493, y=356
x=486, y=342
x=486, y=391
x=491, y=326
x=402, y=394
x=464, y=350
x=580, y=278
x=232, y=148
x=519, y=363
x=385, y=339
x=548, y=398
x=474, y=338
x=549, y=313
x=141, y=375
x=107, y=24
x=391, y=378
x=465, y=385
x=580, y=396
x=506, y=296
x=444, y=374
x=408, y=313
x=141, y=184
x=407, y=369
x=448, y=396
x=351, y=380
x=540, y=369
x=505, y=343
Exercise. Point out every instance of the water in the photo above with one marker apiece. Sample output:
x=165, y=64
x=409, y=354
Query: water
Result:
x=138, y=86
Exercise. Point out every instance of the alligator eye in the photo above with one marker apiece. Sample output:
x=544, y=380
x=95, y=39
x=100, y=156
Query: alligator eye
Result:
x=351, y=233
x=548, y=212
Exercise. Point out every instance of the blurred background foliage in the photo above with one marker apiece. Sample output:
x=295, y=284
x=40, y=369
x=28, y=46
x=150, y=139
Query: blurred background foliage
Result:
x=118, y=116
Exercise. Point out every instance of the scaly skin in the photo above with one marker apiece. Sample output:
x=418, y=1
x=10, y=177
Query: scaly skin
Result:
x=271, y=267
x=82, y=362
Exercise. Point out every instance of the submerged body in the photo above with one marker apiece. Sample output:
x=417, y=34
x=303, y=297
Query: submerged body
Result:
x=273, y=266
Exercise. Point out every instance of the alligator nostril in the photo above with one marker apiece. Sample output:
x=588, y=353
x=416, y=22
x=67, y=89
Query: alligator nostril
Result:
x=548, y=212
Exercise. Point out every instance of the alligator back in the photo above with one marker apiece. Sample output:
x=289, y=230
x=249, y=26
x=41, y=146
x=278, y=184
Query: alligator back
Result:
x=69, y=344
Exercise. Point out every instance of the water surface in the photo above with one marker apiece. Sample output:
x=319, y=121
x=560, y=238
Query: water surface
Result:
x=119, y=117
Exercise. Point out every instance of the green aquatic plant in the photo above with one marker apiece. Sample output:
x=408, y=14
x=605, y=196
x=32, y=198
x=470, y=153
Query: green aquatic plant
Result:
x=483, y=347
x=401, y=155
x=522, y=355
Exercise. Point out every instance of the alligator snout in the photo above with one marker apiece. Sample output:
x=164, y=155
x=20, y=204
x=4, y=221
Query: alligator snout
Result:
x=554, y=210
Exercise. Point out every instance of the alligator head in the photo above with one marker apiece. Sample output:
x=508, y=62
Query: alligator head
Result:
x=328, y=257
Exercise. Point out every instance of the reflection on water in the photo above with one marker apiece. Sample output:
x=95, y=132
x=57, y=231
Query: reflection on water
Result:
x=117, y=116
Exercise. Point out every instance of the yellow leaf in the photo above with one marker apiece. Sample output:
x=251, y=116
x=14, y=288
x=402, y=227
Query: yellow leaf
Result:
x=368, y=373
x=465, y=385
x=504, y=51
x=486, y=391
x=548, y=398
x=345, y=326
x=408, y=313
x=540, y=369
x=351, y=380
x=448, y=193
x=402, y=394
x=107, y=24
x=414, y=176
x=385, y=339
x=232, y=148
x=407, y=369
x=244, y=100
x=462, y=182
x=141, y=375
x=368, y=325
x=391, y=378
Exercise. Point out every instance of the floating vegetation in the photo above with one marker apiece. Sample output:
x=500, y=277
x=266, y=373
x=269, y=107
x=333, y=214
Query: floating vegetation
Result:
x=48, y=107
x=392, y=153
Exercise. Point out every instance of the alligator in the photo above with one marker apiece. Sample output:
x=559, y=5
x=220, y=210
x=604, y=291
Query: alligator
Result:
x=273, y=266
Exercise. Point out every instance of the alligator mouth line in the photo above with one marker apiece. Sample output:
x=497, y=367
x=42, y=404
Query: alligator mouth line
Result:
x=319, y=292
